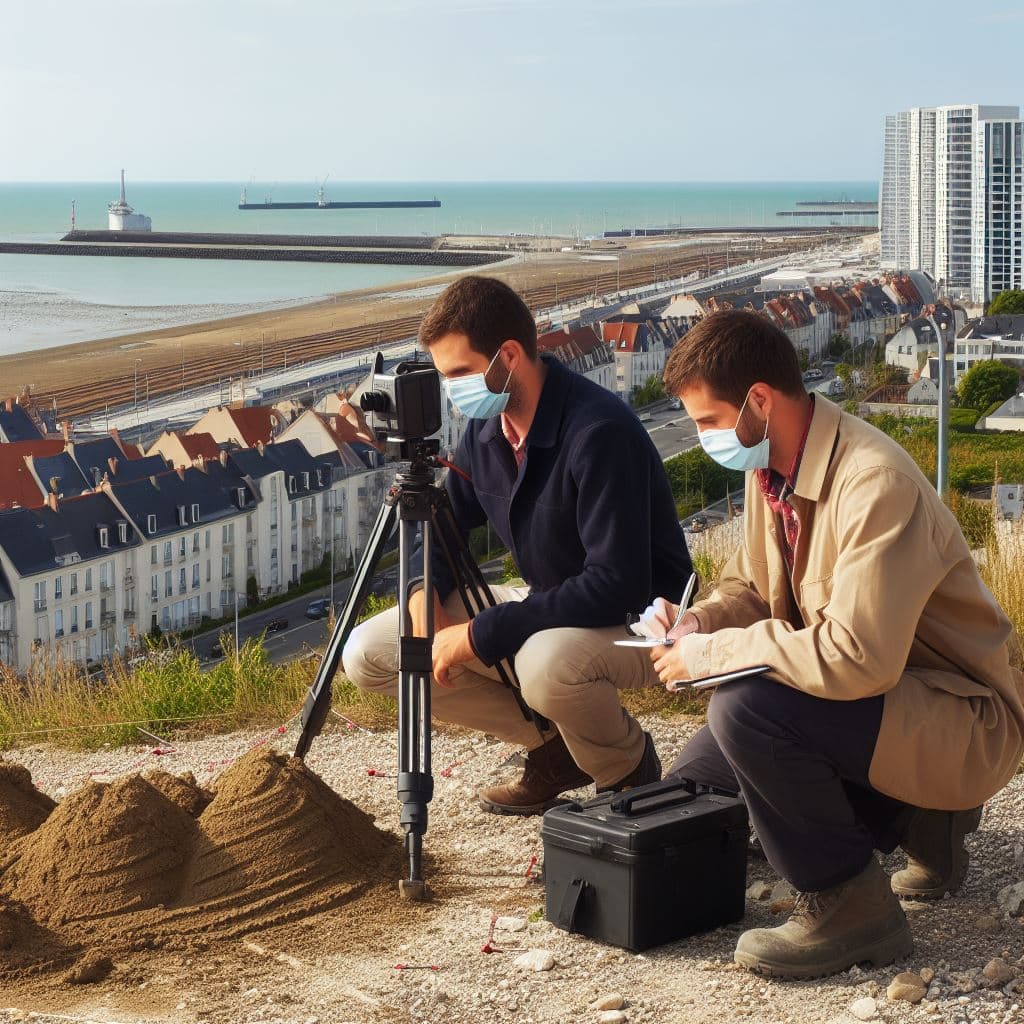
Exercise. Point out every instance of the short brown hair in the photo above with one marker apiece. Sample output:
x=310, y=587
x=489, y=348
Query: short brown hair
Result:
x=484, y=309
x=729, y=352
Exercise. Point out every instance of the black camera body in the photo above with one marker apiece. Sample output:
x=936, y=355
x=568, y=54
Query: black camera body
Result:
x=404, y=406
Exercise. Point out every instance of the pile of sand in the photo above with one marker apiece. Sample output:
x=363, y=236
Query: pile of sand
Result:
x=152, y=861
x=22, y=807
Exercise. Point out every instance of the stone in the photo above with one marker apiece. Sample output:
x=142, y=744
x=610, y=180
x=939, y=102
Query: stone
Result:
x=535, y=960
x=998, y=971
x=1011, y=899
x=986, y=923
x=758, y=891
x=781, y=890
x=927, y=975
x=611, y=1017
x=906, y=987
x=864, y=1009
x=511, y=924
x=612, y=1001
x=93, y=967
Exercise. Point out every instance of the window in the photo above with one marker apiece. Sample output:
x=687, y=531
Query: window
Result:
x=208, y=570
x=291, y=484
x=154, y=587
x=88, y=614
x=195, y=513
x=195, y=576
x=182, y=520
x=305, y=480
x=168, y=552
x=122, y=532
x=153, y=556
x=240, y=493
x=74, y=619
x=319, y=478
x=88, y=579
x=168, y=584
x=182, y=581
x=151, y=524
x=58, y=622
x=104, y=537
x=206, y=541
x=39, y=589
x=74, y=583
x=58, y=588
x=195, y=542
x=228, y=531
x=182, y=546
x=295, y=512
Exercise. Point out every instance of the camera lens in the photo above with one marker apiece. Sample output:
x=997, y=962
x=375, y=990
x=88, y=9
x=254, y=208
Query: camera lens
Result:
x=375, y=401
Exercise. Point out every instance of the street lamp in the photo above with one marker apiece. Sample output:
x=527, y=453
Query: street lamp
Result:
x=236, y=622
x=135, y=372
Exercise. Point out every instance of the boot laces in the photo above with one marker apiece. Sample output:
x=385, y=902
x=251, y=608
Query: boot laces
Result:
x=808, y=905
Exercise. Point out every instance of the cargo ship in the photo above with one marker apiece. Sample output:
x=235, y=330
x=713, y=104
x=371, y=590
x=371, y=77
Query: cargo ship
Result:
x=322, y=203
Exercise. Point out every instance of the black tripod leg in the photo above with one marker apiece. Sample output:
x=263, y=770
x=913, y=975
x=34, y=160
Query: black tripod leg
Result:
x=415, y=782
x=318, y=699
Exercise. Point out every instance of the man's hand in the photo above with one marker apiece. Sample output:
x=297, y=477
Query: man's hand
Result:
x=658, y=618
x=451, y=647
x=418, y=614
x=670, y=663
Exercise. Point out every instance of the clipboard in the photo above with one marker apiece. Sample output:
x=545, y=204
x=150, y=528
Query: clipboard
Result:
x=710, y=682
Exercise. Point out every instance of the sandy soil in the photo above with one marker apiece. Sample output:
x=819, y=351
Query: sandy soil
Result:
x=338, y=965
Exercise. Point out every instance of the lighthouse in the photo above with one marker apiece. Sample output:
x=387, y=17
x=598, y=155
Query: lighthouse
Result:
x=121, y=216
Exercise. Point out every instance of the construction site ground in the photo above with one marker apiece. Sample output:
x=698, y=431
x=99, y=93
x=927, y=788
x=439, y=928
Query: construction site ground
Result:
x=330, y=953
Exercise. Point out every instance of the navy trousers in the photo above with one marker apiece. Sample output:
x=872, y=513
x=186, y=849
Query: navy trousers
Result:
x=801, y=765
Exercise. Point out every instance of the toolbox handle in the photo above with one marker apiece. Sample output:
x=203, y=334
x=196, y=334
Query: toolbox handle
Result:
x=675, y=789
x=570, y=905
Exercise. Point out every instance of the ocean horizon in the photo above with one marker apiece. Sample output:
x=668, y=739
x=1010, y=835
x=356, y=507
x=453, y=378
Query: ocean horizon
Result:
x=51, y=300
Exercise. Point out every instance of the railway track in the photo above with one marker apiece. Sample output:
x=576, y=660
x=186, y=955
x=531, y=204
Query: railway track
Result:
x=168, y=377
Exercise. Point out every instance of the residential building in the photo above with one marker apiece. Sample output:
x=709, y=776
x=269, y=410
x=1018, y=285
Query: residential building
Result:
x=951, y=198
x=243, y=427
x=66, y=580
x=17, y=422
x=1009, y=416
x=181, y=448
x=990, y=337
x=911, y=345
x=639, y=350
x=581, y=349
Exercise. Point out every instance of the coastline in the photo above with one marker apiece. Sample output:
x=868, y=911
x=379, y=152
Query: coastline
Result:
x=276, y=335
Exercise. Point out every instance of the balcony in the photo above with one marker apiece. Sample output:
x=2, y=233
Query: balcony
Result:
x=129, y=613
x=106, y=586
x=129, y=578
x=106, y=618
x=88, y=623
x=39, y=604
x=154, y=595
x=308, y=518
x=168, y=559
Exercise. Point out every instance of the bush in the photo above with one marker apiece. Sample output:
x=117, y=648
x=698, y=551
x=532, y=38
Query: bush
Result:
x=963, y=420
x=987, y=382
x=974, y=517
x=652, y=391
x=1010, y=301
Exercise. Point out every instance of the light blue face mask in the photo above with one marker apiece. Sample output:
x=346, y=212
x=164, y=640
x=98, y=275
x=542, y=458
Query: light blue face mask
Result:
x=725, y=448
x=472, y=397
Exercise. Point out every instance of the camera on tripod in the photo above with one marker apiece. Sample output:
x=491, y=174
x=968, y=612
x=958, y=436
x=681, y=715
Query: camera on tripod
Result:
x=403, y=408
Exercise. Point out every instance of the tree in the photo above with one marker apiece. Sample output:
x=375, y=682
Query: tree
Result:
x=1010, y=301
x=987, y=382
x=652, y=391
x=844, y=371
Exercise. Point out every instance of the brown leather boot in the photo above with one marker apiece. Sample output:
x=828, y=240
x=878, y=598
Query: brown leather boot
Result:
x=647, y=770
x=936, y=858
x=830, y=931
x=549, y=772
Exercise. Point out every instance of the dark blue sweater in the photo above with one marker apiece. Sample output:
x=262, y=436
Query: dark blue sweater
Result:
x=589, y=518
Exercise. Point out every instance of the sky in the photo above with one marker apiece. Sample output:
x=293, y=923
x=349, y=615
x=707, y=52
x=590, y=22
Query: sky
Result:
x=485, y=90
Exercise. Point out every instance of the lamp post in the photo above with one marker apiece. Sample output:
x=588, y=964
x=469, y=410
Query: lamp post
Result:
x=135, y=374
x=942, y=454
x=330, y=502
x=236, y=622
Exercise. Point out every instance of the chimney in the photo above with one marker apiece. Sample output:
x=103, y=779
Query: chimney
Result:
x=224, y=458
x=53, y=484
x=51, y=501
x=334, y=424
x=200, y=462
x=112, y=463
x=181, y=472
x=116, y=435
x=68, y=429
x=9, y=404
x=261, y=447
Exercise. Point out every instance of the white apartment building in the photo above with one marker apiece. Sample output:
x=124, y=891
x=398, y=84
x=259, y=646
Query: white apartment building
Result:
x=950, y=200
x=990, y=337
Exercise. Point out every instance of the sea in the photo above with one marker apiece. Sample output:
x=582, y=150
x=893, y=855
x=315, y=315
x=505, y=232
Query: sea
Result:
x=54, y=300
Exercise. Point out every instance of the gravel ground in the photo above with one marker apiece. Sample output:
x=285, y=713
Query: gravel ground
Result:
x=340, y=966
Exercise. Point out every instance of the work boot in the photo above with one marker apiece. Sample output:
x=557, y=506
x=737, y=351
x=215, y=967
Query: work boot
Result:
x=830, y=931
x=936, y=858
x=647, y=770
x=549, y=772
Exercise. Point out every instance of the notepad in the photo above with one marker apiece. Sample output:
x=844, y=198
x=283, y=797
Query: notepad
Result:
x=710, y=682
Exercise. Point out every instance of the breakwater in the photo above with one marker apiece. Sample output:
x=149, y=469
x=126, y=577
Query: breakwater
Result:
x=241, y=238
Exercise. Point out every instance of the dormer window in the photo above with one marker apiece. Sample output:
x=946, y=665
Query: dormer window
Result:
x=305, y=480
x=195, y=513
x=319, y=478
x=104, y=533
x=122, y=532
x=182, y=521
x=240, y=495
x=151, y=524
x=291, y=485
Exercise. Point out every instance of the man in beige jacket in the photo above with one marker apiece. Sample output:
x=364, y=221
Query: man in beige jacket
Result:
x=891, y=711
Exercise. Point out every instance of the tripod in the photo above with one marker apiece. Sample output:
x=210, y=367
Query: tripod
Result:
x=414, y=501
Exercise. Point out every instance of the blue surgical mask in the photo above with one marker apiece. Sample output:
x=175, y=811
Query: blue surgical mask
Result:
x=725, y=448
x=472, y=397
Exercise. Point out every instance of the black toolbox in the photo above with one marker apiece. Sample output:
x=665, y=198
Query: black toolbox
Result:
x=648, y=865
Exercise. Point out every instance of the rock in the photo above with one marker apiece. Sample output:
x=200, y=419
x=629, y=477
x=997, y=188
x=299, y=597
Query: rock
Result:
x=783, y=906
x=758, y=891
x=906, y=987
x=1011, y=899
x=998, y=971
x=927, y=975
x=612, y=1017
x=612, y=1001
x=986, y=923
x=864, y=1009
x=781, y=890
x=535, y=960
x=511, y=924
x=93, y=967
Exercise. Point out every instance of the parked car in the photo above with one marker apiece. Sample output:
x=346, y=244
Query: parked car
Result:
x=318, y=609
x=276, y=625
x=216, y=651
x=813, y=375
x=675, y=403
x=698, y=523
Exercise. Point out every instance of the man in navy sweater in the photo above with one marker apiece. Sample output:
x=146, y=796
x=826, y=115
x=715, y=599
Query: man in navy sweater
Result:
x=569, y=479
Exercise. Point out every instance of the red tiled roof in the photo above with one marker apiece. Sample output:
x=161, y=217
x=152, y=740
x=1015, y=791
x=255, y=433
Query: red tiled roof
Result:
x=622, y=336
x=255, y=423
x=199, y=444
x=579, y=341
x=17, y=484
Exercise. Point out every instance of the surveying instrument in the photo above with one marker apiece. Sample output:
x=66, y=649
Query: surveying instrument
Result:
x=404, y=409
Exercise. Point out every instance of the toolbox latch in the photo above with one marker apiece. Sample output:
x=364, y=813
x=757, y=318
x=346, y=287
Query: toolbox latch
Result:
x=570, y=905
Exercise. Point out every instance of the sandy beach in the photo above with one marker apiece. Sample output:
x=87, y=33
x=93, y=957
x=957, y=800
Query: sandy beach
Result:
x=275, y=336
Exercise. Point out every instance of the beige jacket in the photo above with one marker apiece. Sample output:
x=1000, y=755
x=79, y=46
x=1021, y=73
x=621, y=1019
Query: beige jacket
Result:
x=889, y=601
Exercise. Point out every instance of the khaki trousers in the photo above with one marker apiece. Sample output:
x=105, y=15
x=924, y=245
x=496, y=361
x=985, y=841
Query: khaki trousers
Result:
x=570, y=676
